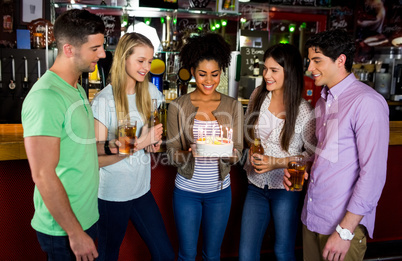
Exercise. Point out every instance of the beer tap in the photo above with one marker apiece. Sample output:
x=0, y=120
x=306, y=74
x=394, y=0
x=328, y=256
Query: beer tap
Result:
x=12, y=81
x=25, y=83
x=38, y=61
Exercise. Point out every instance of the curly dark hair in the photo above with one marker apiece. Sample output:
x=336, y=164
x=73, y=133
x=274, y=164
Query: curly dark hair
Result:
x=209, y=46
x=333, y=43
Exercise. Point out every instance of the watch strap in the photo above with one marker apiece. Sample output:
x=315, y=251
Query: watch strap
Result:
x=340, y=231
x=107, y=149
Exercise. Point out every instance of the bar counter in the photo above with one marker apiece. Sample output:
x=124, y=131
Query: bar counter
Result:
x=19, y=242
x=12, y=141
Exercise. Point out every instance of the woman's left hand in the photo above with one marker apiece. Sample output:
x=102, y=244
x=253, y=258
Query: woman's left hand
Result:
x=231, y=160
x=153, y=147
x=262, y=163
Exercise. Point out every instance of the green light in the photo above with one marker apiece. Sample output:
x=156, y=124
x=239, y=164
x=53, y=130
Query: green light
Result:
x=213, y=28
x=243, y=20
x=303, y=25
x=218, y=26
x=147, y=21
x=168, y=18
x=224, y=23
x=124, y=20
x=162, y=20
x=292, y=28
x=175, y=21
x=284, y=41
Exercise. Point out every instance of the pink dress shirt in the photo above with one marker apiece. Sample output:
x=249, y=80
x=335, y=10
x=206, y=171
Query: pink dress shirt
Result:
x=349, y=170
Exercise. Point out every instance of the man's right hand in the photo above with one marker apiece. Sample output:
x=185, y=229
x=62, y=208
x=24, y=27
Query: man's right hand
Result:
x=83, y=246
x=286, y=181
x=286, y=177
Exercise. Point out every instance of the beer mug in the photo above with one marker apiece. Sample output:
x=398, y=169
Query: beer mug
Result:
x=127, y=130
x=296, y=169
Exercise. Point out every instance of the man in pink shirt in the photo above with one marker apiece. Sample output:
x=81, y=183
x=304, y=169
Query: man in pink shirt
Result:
x=349, y=169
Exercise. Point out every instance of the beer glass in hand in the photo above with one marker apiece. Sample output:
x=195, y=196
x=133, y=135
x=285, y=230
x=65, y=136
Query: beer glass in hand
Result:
x=296, y=169
x=154, y=120
x=163, y=117
x=256, y=147
x=127, y=132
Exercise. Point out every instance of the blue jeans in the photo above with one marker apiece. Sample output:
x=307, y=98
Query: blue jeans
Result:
x=147, y=220
x=190, y=210
x=260, y=205
x=58, y=248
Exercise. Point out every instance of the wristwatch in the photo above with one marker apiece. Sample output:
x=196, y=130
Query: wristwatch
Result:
x=344, y=233
x=107, y=149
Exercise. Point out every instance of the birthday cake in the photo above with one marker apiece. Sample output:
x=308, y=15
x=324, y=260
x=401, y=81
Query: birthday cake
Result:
x=218, y=147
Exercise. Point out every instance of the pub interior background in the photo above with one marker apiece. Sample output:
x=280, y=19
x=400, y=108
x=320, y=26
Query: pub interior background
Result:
x=27, y=51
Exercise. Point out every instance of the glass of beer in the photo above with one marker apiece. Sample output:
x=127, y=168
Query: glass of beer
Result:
x=127, y=130
x=296, y=169
x=256, y=146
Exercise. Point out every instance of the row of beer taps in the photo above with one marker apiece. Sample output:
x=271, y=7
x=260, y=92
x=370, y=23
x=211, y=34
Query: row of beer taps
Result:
x=25, y=81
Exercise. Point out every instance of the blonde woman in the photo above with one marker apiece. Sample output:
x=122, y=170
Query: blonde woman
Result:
x=124, y=189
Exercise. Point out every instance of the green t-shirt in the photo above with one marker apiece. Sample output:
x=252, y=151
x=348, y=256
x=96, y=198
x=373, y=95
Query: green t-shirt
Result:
x=55, y=108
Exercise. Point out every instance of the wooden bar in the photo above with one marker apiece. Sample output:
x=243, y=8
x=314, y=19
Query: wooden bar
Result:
x=12, y=141
x=395, y=135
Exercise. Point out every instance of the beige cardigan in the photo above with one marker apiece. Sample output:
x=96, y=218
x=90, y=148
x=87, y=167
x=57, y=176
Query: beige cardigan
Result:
x=180, y=121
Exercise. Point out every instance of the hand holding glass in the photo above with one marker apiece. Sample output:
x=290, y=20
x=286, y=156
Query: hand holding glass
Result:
x=256, y=147
x=127, y=132
x=296, y=169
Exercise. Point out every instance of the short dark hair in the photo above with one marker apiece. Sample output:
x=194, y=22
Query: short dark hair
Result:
x=333, y=43
x=208, y=46
x=75, y=25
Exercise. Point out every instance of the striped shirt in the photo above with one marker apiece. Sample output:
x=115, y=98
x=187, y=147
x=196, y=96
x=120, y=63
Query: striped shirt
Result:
x=206, y=170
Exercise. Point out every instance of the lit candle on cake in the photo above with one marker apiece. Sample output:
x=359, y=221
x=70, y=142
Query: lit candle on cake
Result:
x=200, y=133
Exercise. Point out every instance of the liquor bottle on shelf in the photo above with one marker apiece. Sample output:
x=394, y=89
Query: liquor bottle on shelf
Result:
x=256, y=66
x=183, y=77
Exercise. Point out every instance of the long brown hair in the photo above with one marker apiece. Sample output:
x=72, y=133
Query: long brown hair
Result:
x=124, y=49
x=287, y=56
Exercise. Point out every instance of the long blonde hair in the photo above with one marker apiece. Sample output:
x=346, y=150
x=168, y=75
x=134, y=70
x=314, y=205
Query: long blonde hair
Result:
x=124, y=49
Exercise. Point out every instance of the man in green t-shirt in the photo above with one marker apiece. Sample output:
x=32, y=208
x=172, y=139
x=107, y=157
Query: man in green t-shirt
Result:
x=60, y=142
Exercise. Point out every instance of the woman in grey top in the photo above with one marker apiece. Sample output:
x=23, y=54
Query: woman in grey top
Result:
x=202, y=194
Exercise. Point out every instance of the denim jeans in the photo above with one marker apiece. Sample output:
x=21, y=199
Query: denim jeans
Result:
x=147, y=220
x=58, y=248
x=193, y=209
x=260, y=205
